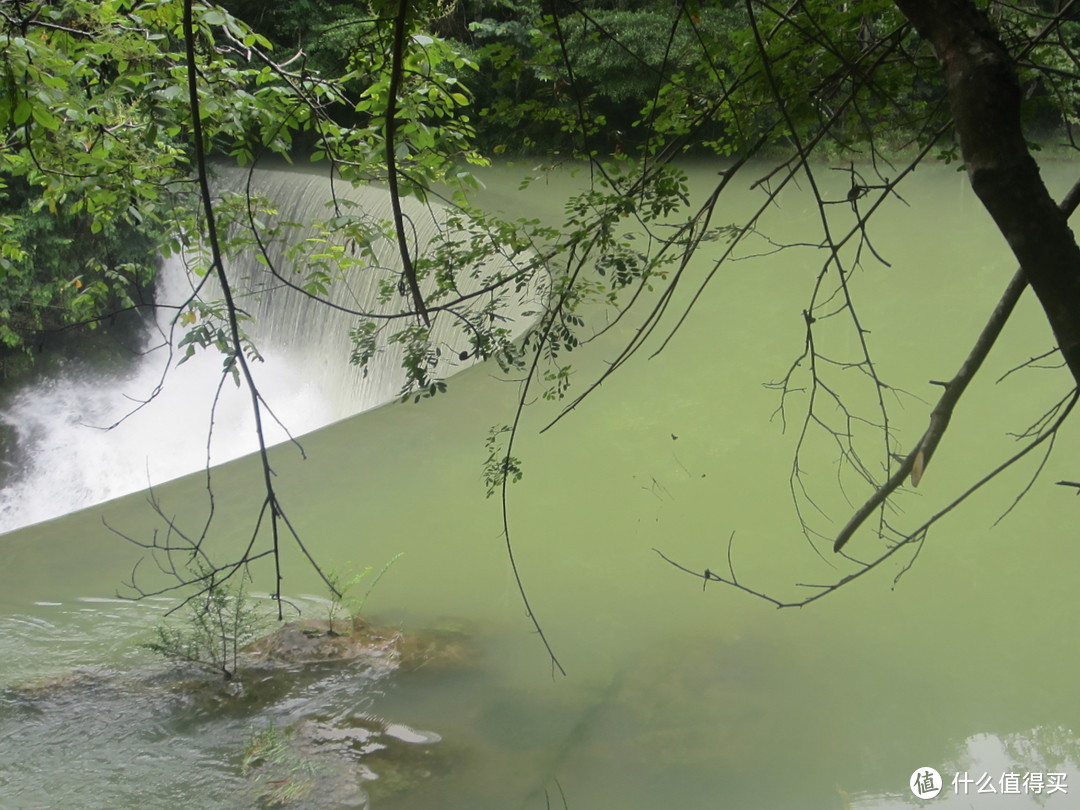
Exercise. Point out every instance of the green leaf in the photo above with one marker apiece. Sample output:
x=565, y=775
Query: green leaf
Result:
x=22, y=112
x=45, y=119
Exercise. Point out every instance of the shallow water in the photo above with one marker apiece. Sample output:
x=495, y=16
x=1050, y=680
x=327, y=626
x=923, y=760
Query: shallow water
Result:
x=673, y=696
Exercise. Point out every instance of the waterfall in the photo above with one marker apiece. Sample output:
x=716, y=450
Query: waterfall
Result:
x=82, y=438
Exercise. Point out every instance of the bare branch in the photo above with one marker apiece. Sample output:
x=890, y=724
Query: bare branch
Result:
x=915, y=538
x=942, y=412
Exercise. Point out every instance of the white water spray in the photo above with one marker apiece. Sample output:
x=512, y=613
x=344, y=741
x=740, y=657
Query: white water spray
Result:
x=83, y=439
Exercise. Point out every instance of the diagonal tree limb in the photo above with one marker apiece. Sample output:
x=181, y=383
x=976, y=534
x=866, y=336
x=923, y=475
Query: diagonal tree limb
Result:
x=915, y=462
x=985, y=100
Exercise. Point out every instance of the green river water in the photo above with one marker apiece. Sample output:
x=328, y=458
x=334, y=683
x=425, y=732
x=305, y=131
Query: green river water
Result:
x=673, y=697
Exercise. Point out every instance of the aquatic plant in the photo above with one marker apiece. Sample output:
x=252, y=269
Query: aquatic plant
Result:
x=217, y=623
x=281, y=775
x=342, y=581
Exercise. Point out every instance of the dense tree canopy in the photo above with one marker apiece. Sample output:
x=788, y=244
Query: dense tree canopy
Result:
x=114, y=113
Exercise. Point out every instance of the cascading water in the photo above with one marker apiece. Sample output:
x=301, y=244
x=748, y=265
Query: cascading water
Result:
x=82, y=438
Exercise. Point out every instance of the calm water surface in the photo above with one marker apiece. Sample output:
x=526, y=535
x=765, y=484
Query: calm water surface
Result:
x=673, y=697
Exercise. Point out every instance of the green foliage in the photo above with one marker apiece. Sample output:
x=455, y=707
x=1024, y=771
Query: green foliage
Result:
x=208, y=328
x=57, y=269
x=625, y=56
x=93, y=115
x=343, y=581
x=289, y=24
x=1052, y=96
x=499, y=467
x=610, y=80
x=281, y=774
x=216, y=624
x=433, y=126
x=98, y=122
x=580, y=79
x=795, y=85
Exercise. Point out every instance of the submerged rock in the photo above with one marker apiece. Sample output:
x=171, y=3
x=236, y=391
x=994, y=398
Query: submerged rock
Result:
x=315, y=641
x=59, y=685
x=353, y=761
x=300, y=674
x=390, y=758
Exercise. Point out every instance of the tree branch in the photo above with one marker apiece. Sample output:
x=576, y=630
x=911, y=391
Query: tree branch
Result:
x=270, y=502
x=914, y=464
x=985, y=98
x=396, y=70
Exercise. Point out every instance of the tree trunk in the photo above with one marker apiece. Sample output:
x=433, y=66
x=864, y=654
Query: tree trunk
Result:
x=984, y=95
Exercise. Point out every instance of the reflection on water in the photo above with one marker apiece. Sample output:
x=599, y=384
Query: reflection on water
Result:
x=675, y=697
x=1030, y=769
